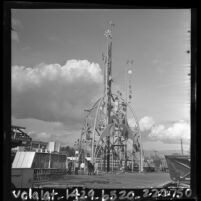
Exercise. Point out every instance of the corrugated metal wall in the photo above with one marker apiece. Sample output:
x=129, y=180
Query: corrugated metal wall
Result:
x=39, y=160
x=23, y=159
x=42, y=160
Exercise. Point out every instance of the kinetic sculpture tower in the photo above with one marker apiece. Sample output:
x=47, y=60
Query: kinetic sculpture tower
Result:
x=106, y=134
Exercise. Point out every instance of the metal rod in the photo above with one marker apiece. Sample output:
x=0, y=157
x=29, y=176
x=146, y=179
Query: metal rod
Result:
x=93, y=138
x=109, y=83
x=141, y=161
x=132, y=156
x=141, y=148
x=112, y=161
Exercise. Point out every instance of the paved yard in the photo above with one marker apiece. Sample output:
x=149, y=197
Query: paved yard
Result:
x=123, y=180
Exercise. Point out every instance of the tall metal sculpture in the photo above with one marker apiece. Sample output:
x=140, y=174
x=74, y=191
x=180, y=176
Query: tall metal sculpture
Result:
x=106, y=133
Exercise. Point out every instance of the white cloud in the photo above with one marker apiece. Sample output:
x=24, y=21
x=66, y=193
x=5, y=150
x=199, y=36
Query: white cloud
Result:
x=132, y=122
x=53, y=92
x=63, y=136
x=171, y=133
x=146, y=123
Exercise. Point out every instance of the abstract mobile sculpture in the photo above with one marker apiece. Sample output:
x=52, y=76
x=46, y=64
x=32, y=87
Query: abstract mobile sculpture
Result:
x=107, y=136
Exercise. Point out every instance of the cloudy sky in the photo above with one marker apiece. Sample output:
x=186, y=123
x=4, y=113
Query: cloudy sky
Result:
x=57, y=70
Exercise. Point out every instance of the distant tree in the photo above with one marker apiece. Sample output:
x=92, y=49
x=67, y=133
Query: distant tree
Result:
x=176, y=154
x=69, y=151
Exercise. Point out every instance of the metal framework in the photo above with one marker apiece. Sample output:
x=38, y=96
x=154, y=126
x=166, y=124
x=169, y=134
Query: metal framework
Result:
x=125, y=141
x=106, y=133
x=19, y=137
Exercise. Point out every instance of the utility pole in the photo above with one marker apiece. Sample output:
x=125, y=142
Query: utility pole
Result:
x=141, y=155
x=108, y=34
x=182, y=152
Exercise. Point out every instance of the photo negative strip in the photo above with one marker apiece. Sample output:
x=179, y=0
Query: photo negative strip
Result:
x=101, y=103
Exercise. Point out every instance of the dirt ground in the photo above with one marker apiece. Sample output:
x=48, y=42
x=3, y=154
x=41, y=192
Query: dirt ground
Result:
x=123, y=180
